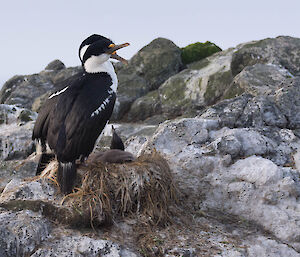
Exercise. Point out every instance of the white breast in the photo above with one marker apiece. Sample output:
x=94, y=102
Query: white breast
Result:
x=96, y=64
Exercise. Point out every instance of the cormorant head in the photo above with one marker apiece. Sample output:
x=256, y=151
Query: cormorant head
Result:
x=96, y=49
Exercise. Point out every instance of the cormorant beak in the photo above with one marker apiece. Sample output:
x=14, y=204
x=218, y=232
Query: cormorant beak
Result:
x=113, y=54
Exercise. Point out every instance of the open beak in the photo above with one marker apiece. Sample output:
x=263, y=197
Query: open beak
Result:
x=113, y=54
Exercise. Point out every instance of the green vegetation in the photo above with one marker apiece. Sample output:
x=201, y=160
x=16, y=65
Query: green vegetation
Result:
x=197, y=51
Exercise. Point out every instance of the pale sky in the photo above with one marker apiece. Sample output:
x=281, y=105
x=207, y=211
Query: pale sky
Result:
x=35, y=32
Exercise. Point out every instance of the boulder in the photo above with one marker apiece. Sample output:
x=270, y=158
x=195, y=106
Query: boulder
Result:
x=188, y=92
x=146, y=71
x=279, y=108
x=282, y=51
x=27, y=233
x=22, y=232
x=259, y=79
x=22, y=90
x=15, y=132
x=239, y=171
x=55, y=65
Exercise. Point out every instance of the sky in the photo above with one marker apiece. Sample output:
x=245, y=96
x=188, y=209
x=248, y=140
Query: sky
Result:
x=35, y=32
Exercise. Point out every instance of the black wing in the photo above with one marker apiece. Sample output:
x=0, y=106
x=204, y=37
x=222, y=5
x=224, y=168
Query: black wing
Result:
x=40, y=129
x=79, y=117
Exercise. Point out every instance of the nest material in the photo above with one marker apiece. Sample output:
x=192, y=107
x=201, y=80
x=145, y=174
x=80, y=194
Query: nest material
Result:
x=111, y=191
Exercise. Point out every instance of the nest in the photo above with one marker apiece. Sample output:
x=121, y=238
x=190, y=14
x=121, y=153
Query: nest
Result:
x=106, y=192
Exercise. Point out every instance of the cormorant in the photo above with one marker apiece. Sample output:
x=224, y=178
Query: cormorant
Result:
x=73, y=117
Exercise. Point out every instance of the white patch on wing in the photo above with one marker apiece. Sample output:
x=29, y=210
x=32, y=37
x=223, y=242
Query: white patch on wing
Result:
x=82, y=51
x=100, y=63
x=101, y=107
x=58, y=93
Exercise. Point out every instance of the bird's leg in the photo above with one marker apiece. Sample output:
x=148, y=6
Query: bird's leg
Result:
x=52, y=177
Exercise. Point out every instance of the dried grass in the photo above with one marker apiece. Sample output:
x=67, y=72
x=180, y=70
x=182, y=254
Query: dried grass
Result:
x=107, y=192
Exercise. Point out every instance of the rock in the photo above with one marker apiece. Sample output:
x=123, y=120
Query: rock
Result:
x=23, y=90
x=157, y=61
x=259, y=79
x=60, y=79
x=189, y=91
x=22, y=232
x=55, y=65
x=253, y=188
x=280, y=108
x=209, y=166
x=282, y=51
x=16, y=169
x=15, y=132
x=287, y=100
x=146, y=71
x=269, y=247
x=179, y=142
x=79, y=245
x=27, y=233
x=145, y=107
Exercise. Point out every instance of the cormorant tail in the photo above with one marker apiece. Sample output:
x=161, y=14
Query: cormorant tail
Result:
x=66, y=176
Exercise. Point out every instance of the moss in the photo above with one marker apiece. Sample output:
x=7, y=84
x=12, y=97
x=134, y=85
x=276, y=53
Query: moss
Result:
x=25, y=116
x=233, y=91
x=216, y=86
x=197, y=51
x=199, y=64
x=172, y=97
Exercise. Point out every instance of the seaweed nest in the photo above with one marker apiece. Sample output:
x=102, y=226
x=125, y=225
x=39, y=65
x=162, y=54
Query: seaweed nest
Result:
x=108, y=192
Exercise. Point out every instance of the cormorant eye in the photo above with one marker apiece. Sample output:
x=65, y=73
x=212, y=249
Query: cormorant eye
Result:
x=111, y=45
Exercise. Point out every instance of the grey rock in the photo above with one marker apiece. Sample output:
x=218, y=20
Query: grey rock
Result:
x=185, y=93
x=259, y=79
x=16, y=169
x=257, y=189
x=145, y=107
x=287, y=100
x=15, y=132
x=146, y=71
x=200, y=153
x=22, y=232
x=157, y=61
x=23, y=90
x=55, y=65
x=282, y=51
x=279, y=109
x=79, y=245
x=26, y=233
x=268, y=247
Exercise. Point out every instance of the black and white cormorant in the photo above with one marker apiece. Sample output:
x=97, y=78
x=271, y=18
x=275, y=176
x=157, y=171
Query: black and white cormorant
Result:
x=73, y=117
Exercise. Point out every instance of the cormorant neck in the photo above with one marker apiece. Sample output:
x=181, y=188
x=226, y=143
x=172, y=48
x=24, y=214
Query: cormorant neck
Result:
x=92, y=66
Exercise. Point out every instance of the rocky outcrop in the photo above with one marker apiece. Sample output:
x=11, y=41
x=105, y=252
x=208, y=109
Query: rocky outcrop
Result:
x=256, y=68
x=27, y=233
x=282, y=51
x=15, y=132
x=22, y=90
x=259, y=79
x=146, y=71
x=201, y=84
x=235, y=163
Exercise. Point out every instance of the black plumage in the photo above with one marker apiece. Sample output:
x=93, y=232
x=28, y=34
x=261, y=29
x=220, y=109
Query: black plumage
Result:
x=73, y=118
x=116, y=141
